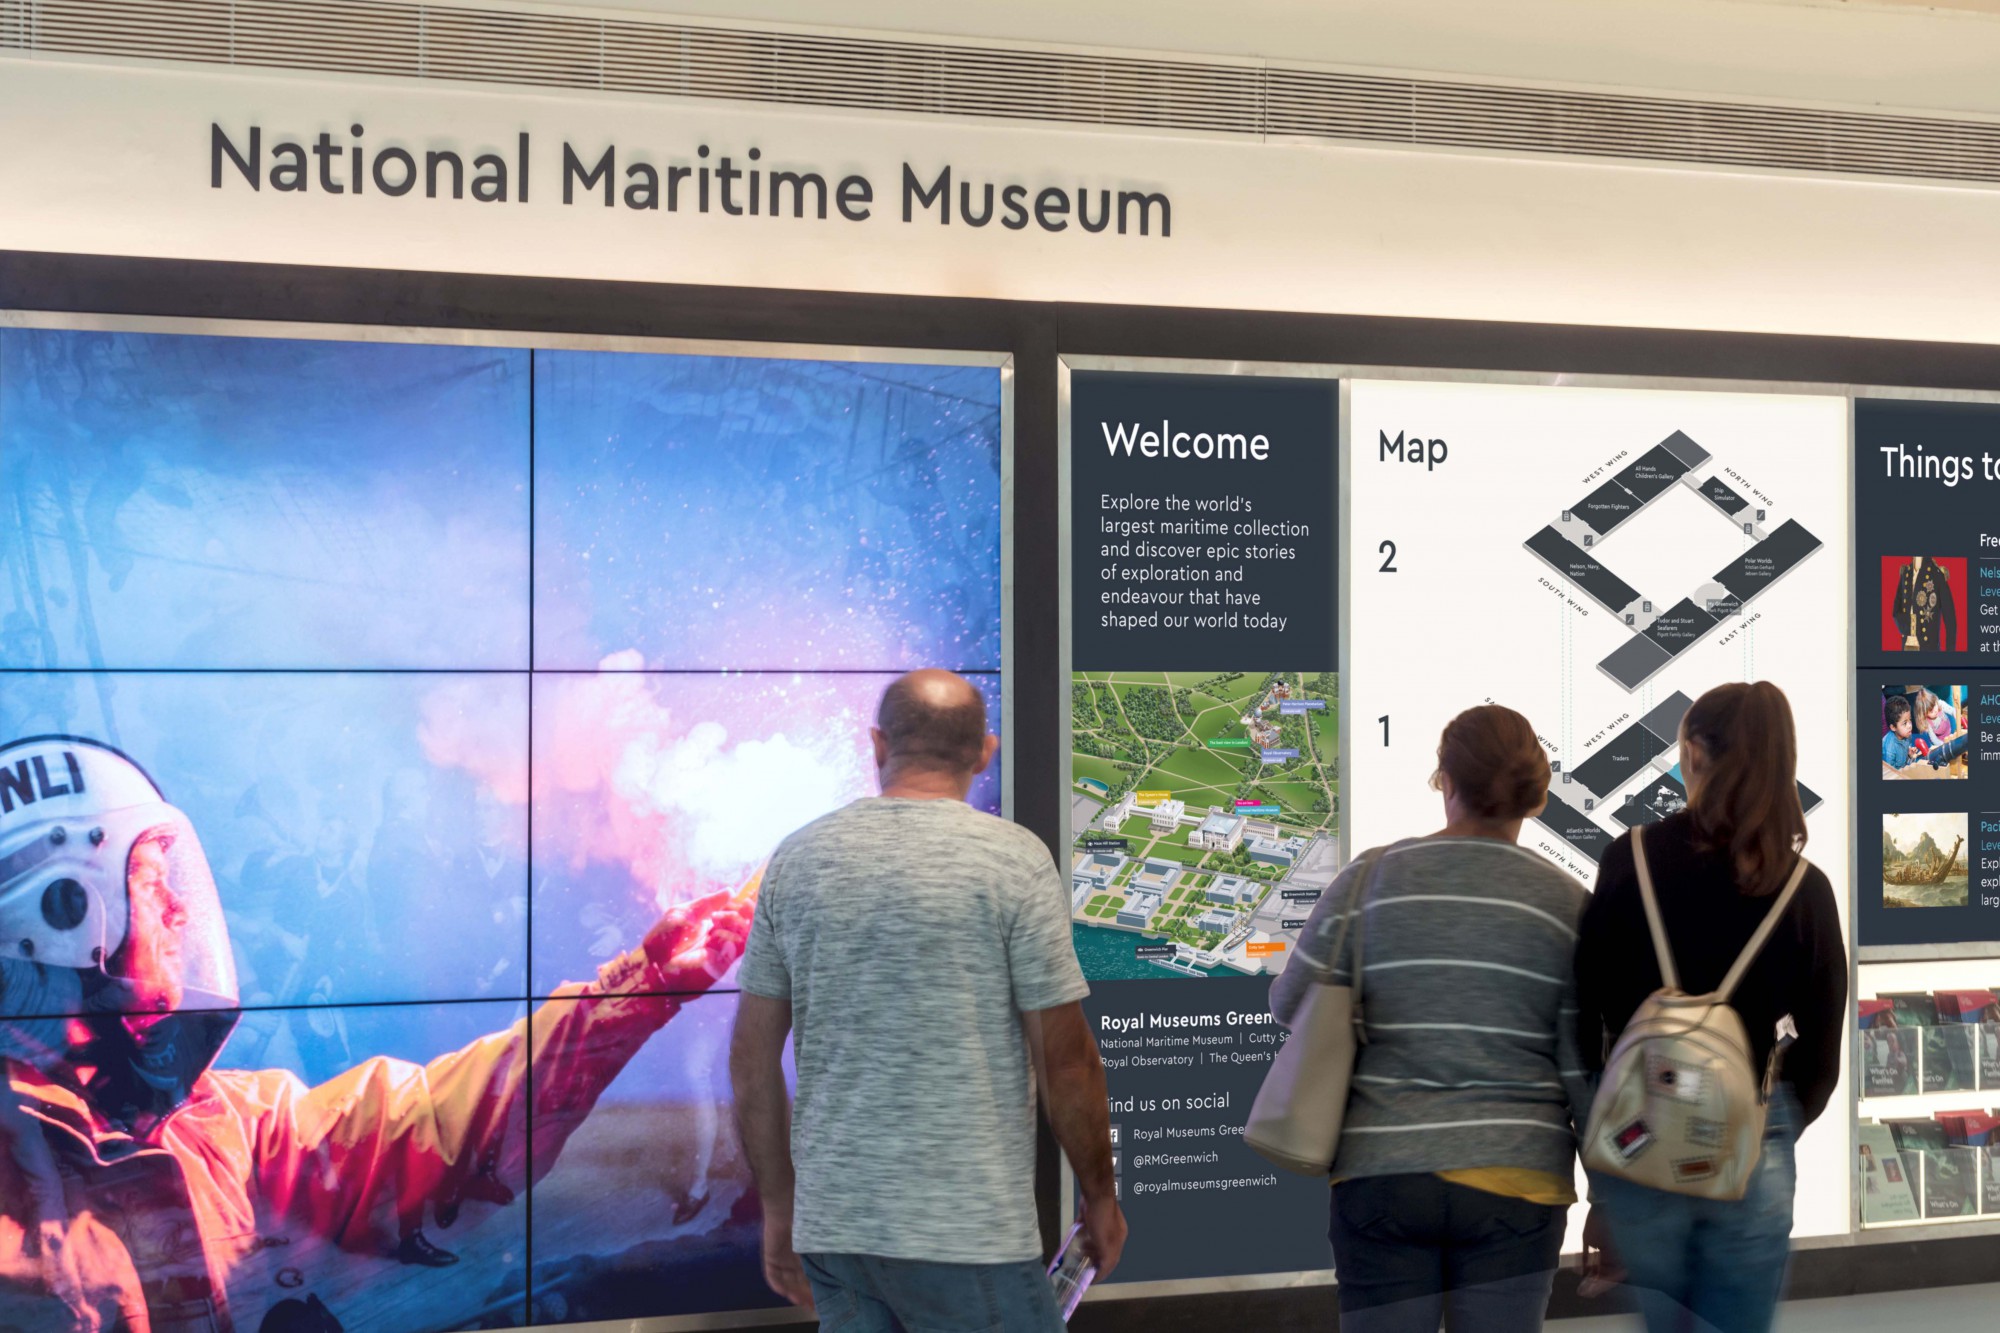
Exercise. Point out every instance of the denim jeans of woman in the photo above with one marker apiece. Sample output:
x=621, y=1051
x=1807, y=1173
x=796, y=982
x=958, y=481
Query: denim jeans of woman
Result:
x=1705, y=1265
x=1409, y=1250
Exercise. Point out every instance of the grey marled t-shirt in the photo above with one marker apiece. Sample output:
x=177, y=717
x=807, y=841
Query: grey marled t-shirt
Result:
x=910, y=936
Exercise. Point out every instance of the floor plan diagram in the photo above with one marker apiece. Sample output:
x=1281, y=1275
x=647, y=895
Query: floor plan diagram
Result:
x=1660, y=629
x=1648, y=747
x=1663, y=629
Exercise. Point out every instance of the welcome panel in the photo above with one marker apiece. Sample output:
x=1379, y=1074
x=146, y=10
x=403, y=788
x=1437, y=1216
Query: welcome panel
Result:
x=1205, y=799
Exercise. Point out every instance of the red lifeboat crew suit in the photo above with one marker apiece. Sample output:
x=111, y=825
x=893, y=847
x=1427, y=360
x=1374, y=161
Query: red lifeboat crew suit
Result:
x=139, y=1189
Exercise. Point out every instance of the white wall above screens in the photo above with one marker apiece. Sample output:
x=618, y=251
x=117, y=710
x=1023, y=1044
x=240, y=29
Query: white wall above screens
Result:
x=117, y=160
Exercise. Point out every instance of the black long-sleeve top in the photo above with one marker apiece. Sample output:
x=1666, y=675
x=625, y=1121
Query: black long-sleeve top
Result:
x=1802, y=970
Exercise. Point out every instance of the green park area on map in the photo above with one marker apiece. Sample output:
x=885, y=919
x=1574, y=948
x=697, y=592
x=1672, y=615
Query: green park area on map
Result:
x=1204, y=812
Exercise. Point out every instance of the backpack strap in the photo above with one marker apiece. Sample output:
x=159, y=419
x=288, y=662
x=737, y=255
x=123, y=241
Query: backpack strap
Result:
x=1668, y=976
x=1769, y=924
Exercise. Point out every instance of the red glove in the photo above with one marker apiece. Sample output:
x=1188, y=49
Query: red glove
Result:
x=690, y=947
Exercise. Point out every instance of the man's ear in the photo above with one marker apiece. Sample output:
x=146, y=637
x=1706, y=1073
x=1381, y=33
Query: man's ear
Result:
x=881, y=744
x=989, y=748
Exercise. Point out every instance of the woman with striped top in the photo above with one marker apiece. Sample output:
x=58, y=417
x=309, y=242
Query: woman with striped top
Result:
x=1455, y=1163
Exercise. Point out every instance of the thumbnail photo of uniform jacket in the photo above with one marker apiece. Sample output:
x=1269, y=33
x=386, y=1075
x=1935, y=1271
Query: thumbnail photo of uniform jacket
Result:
x=1925, y=611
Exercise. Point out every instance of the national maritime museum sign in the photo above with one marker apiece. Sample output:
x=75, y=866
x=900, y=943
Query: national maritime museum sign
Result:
x=729, y=182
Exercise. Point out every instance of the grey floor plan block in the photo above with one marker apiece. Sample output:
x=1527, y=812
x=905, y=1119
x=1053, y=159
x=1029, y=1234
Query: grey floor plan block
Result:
x=1665, y=720
x=1607, y=506
x=1619, y=760
x=1610, y=591
x=1636, y=660
x=1574, y=827
x=1649, y=478
x=1570, y=547
x=1718, y=493
x=1768, y=561
x=1679, y=626
x=1680, y=446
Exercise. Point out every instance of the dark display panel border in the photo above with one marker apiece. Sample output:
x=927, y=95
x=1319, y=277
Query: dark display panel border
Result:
x=1035, y=333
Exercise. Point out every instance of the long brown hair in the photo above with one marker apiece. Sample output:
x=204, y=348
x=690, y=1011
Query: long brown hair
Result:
x=1747, y=799
x=1495, y=763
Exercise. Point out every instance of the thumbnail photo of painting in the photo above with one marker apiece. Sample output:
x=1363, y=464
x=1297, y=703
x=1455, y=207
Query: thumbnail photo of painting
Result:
x=1925, y=861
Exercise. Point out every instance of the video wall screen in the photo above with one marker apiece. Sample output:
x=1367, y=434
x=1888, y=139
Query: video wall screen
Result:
x=364, y=707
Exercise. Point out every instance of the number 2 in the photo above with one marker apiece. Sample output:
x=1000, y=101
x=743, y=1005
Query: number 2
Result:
x=1388, y=550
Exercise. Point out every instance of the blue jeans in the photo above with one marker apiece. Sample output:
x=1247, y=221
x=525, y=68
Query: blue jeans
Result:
x=1703, y=1265
x=859, y=1293
x=1413, y=1249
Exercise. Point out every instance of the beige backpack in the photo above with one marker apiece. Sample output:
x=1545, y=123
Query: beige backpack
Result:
x=1681, y=1107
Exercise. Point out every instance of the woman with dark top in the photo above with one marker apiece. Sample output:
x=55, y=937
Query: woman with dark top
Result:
x=1716, y=867
x=1455, y=1167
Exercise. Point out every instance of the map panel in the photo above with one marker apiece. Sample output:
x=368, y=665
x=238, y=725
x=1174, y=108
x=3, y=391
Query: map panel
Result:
x=1598, y=558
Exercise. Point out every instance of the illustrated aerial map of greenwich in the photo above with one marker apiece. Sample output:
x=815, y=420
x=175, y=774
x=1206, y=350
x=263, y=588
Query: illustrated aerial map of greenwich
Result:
x=1204, y=810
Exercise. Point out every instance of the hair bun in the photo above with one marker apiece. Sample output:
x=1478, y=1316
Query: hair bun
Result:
x=1521, y=788
x=1495, y=762
x=1517, y=785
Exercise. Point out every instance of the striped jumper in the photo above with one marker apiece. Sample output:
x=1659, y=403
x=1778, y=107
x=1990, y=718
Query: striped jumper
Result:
x=1468, y=992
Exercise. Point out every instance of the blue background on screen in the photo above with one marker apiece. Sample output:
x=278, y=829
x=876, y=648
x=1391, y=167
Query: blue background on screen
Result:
x=181, y=501
x=744, y=514
x=356, y=859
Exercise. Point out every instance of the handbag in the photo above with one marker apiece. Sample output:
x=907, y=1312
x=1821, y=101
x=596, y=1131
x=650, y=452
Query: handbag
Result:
x=1295, y=1121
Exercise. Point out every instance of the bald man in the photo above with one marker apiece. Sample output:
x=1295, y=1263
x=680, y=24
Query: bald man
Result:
x=919, y=952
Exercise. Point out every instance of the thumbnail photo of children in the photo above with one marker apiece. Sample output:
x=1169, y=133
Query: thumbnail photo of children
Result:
x=1923, y=603
x=1925, y=860
x=1926, y=731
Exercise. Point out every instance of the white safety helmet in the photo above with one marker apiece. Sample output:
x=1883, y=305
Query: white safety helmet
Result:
x=71, y=812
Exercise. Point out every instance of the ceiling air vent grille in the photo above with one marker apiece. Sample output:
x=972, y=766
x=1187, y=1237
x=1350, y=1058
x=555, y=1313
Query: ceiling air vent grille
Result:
x=1541, y=120
x=631, y=54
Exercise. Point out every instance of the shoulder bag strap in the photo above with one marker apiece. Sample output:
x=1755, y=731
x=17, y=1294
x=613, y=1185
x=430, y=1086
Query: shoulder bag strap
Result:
x=1669, y=977
x=1764, y=929
x=1363, y=877
x=1360, y=920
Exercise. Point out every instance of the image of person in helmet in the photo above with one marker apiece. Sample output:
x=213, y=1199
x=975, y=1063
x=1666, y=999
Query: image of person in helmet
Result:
x=141, y=1188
